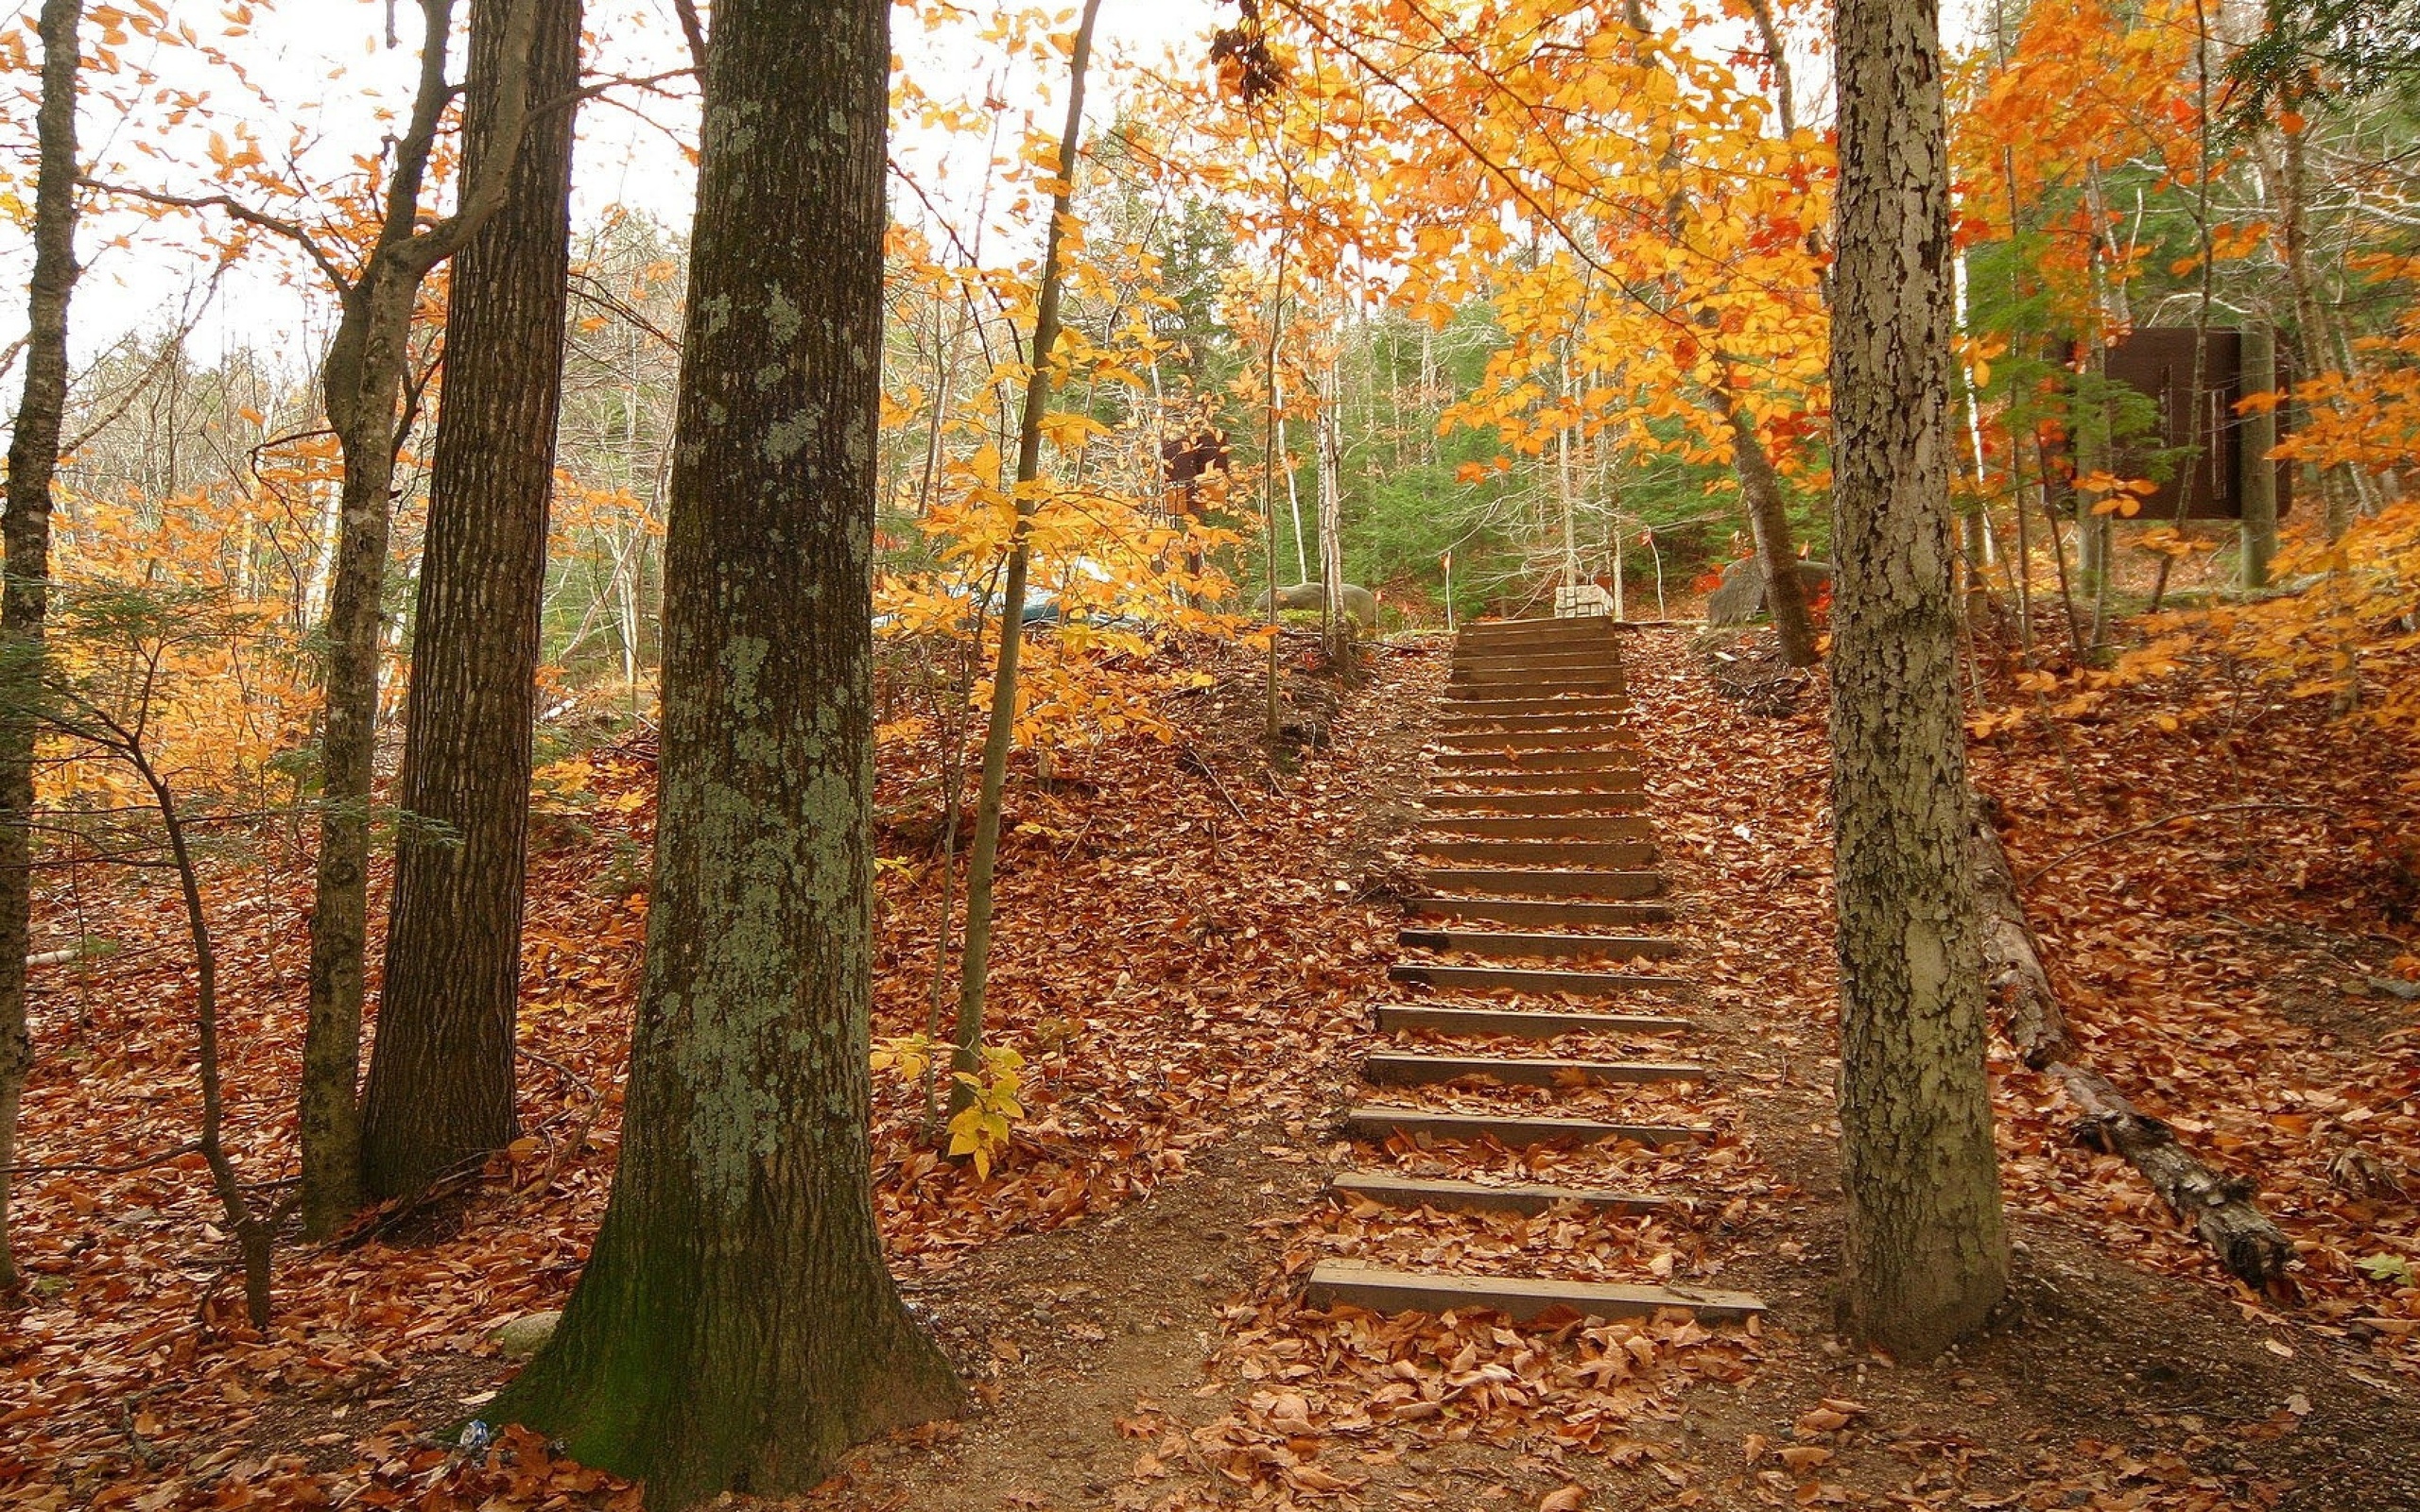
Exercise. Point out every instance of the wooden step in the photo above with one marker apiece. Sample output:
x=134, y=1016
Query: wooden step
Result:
x=1526, y=979
x=1515, y=666
x=1527, y=911
x=1528, y=740
x=1547, y=719
x=1376, y=1289
x=1500, y=726
x=1540, y=760
x=1471, y=1196
x=1522, y=759
x=1618, y=780
x=1560, y=632
x=1402, y=1067
x=1517, y=944
x=1531, y=682
x=1533, y=624
x=1528, y=1023
x=1457, y=802
x=1582, y=706
x=1543, y=826
x=1499, y=881
x=1542, y=659
x=1615, y=856
x=1377, y=1122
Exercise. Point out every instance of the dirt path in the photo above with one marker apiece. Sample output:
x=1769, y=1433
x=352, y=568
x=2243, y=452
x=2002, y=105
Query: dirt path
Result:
x=1159, y=1358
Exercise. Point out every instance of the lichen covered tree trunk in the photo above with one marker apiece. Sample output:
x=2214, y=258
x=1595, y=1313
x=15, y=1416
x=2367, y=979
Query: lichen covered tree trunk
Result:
x=441, y=1083
x=33, y=454
x=736, y=1327
x=1925, y=1259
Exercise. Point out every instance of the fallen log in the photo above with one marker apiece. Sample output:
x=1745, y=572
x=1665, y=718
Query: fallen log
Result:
x=2218, y=1205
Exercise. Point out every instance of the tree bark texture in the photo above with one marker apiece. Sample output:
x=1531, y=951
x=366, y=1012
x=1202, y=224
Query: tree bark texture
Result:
x=1926, y=1258
x=736, y=1327
x=441, y=1084
x=362, y=387
x=25, y=597
x=1769, y=524
x=2218, y=1205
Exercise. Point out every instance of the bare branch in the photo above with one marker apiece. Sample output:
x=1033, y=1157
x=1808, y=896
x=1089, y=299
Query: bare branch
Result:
x=694, y=30
x=293, y=231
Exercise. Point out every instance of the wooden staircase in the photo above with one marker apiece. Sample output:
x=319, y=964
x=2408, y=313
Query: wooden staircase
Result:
x=1542, y=882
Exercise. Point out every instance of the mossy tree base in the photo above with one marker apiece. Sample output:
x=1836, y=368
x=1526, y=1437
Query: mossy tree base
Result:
x=735, y=1328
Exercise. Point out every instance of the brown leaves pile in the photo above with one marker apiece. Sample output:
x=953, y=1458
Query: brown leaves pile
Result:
x=1170, y=957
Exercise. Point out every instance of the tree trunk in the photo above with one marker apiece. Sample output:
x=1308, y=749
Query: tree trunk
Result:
x=363, y=390
x=2255, y=438
x=975, y=960
x=362, y=385
x=1567, y=490
x=1274, y=456
x=2340, y=488
x=441, y=1083
x=24, y=599
x=1337, y=626
x=735, y=1328
x=1768, y=522
x=1925, y=1259
x=2095, y=534
x=1293, y=487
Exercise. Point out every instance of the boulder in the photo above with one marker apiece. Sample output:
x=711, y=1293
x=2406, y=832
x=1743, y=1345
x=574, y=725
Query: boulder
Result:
x=1741, y=596
x=523, y=1337
x=1311, y=598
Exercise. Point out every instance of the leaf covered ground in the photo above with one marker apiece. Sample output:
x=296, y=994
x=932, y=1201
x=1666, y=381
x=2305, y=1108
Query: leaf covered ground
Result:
x=1189, y=942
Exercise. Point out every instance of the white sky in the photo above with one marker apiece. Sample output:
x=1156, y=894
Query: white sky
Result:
x=324, y=63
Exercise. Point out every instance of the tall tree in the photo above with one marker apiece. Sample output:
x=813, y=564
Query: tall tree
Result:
x=362, y=385
x=1760, y=495
x=440, y=1079
x=25, y=597
x=974, y=958
x=1926, y=1258
x=736, y=1327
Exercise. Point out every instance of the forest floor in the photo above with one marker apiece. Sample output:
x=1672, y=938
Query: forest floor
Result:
x=1189, y=942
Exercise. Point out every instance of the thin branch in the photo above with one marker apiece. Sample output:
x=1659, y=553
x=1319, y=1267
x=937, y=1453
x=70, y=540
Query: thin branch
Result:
x=293, y=231
x=172, y=352
x=2040, y=871
x=588, y=287
x=97, y=1168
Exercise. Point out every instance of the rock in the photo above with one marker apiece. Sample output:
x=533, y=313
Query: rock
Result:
x=523, y=1337
x=1312, y=598
x=1741, y=596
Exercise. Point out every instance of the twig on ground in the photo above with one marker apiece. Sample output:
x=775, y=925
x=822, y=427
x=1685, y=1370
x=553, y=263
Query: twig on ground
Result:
x=2052, y=865
x=1193, y=761
x=97, y=1168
